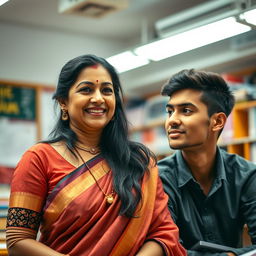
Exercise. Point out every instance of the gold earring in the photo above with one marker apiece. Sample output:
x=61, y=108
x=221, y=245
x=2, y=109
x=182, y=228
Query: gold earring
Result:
x=64, y=115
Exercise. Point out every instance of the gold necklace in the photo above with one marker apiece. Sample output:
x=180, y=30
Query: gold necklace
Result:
x=92, y=150
x=109, y=197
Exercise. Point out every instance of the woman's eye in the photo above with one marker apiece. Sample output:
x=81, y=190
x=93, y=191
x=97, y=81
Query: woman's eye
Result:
x=107, y=90
x=85, y=89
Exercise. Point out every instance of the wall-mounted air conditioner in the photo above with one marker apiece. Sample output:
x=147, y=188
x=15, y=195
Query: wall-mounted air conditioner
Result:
x=91, y=8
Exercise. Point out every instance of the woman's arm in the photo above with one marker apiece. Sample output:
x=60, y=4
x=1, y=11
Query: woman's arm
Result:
x=32, y=248
x=151, y=248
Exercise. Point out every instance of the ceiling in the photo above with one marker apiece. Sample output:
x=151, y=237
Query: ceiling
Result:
x=131, y=26
x=124, y=25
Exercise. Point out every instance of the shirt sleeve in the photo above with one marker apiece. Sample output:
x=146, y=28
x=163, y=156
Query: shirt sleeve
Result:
x=248, y=210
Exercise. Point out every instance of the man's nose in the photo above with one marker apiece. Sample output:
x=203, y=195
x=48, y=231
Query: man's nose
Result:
x=174, y=120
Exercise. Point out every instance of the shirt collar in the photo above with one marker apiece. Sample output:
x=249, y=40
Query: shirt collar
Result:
x=185, y=175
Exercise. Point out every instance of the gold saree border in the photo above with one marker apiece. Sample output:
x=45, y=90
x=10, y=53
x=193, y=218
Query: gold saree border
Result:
x=26, y=200
x=129, y=237
x=71, y=191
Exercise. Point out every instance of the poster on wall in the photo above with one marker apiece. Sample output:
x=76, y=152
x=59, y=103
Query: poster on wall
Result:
x=17, y=122
x=48, y=114
x=17, y=102
x=16, y=137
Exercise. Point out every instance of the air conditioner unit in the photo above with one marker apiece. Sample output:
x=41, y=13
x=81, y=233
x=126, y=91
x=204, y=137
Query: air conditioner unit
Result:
x=200, y=15
x=91, y=8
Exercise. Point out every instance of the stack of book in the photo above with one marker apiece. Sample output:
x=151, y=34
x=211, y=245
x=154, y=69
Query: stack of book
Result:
x=4, y=199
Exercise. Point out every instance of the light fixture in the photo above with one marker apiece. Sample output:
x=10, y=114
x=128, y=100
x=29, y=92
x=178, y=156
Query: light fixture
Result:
x=191, y=39
x=126, y=61
x=3, y=2
x=249, y=17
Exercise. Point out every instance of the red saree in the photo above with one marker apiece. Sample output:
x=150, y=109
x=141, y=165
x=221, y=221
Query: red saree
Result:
x=76, y=219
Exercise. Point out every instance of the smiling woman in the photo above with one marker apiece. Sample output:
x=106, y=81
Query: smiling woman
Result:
x=91, y=101
x=88, y=188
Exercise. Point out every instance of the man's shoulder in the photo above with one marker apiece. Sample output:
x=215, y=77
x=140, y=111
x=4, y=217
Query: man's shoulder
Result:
x=167, y=161
x=167, y=165
x=236, y=161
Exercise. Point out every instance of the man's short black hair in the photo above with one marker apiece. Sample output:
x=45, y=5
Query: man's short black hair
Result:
x=216, y=94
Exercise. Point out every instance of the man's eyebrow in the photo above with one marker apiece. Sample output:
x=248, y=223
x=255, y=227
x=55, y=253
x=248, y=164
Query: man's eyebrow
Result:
x=186, y=104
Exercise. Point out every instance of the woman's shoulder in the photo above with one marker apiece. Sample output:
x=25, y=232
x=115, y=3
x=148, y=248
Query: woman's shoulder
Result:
x=39, y=146
x=42, y=150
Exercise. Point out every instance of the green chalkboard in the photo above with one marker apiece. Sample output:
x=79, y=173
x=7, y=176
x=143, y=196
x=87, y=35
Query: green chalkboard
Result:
x=17, y=102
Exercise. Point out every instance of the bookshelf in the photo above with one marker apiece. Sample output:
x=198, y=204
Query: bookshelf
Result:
x=243, y=130
x=4, y=198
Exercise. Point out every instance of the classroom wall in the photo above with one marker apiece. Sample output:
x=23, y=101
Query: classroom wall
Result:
x=36, y=55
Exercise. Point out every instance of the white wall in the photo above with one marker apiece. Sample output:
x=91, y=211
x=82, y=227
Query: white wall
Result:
x=36, y=55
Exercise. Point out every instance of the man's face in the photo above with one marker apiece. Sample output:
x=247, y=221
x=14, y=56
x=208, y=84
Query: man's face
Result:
x=187, y=125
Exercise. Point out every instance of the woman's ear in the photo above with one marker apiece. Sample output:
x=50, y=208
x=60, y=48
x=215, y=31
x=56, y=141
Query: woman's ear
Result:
x=218, y=120
x=62, y=104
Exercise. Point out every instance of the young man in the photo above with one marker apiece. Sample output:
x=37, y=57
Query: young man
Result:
x=212, y=193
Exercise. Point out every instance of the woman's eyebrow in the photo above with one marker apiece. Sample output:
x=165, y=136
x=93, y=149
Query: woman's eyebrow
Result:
x=91, y=83
x=84, y=82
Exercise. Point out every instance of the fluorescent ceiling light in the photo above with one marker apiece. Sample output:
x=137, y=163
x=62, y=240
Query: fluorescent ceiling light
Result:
x=192, y=39
x=3, y=2
x=249, y=16
x=126, y=61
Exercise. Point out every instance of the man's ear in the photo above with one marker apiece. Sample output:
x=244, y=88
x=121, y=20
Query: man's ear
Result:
x=218, y=121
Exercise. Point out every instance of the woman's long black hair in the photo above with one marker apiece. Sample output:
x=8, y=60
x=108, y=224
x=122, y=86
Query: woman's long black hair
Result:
x=128, y=160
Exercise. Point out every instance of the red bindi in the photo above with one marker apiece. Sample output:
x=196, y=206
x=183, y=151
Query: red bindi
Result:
x=97, y=80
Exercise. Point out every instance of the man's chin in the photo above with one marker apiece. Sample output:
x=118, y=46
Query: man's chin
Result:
x=175, y=146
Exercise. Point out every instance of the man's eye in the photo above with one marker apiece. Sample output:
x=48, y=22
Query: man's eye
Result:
x=187, y=110
x=169, y=111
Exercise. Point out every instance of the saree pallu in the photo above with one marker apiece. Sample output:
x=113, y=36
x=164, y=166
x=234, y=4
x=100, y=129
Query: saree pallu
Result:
x=77, y=220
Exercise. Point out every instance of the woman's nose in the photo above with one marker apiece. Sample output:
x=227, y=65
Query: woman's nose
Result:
x=97, y=97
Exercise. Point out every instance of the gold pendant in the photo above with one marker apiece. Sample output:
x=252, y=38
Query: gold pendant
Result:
x=93, y=151
x=110, y=198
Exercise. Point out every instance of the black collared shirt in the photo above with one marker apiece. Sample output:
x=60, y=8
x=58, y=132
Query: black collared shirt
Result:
x=220, y=216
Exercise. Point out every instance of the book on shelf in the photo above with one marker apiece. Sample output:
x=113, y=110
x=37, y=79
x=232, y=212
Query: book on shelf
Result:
x=154, y=138
x=3, y=212
x=228, y=131
x=253, y=152
x=155, y=109
x=135, y=112
x=2, y=236
x=252, y=122
x=2, y=223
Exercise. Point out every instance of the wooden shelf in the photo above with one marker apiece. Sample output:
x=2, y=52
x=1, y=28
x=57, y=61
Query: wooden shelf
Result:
x=244, y=105
x=237, y=141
